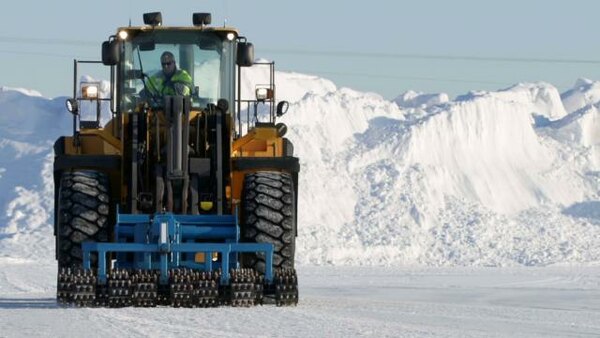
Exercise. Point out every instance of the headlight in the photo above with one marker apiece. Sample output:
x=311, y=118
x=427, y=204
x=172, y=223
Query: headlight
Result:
x=263, y=93
x=230, y=36
x=72, y=106
x=89, y=91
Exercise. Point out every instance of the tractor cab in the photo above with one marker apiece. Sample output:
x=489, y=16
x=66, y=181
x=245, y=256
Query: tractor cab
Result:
x=207, y=57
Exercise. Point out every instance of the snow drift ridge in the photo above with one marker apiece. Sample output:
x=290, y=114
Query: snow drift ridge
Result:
x=490, y=178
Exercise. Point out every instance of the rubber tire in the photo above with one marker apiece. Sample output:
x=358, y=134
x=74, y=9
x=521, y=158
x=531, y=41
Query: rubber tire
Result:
x=83, y=214
x=269, y=216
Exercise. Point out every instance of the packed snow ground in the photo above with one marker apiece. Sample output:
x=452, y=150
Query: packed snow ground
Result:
x=336, y=302
x=482, y=181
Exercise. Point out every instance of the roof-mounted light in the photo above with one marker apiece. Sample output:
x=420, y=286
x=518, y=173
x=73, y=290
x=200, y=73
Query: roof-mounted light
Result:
x=123, y=35
x=153, y=19
x=201, y=19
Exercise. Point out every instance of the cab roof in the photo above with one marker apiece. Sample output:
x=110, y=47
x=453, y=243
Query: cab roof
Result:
x=180, y=28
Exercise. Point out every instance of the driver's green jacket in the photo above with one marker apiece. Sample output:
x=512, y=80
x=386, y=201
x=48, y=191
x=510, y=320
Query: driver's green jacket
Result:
x=180, y=83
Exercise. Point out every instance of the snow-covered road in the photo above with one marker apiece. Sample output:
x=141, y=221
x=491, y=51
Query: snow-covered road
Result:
x=335, y=301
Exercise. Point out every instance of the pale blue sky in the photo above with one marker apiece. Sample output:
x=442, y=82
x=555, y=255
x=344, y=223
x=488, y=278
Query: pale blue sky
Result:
x=386, y=47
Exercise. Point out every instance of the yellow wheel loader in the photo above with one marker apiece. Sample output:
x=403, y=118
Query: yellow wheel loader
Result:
x=188, y=195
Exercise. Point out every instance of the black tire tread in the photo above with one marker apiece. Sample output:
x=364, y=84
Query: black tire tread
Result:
x=83, y=207
x=268, y=216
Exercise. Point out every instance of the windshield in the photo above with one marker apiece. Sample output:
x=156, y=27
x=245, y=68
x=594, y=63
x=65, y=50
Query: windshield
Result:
x=189, y=63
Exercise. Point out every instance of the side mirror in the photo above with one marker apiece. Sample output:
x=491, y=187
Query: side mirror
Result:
x=110, y=52
x=282, y=108
x=245, y=54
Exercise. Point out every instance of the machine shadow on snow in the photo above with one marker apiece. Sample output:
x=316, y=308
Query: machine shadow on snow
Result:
x=28, y=303
x=589, y=210
x=5, y=236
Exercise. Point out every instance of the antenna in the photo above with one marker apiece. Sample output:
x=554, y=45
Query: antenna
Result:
x=226, y=11
x=129, y=13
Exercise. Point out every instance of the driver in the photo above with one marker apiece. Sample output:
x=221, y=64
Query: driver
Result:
x=170, y=81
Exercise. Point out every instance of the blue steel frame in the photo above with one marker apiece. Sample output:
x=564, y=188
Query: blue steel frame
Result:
x=164, y=241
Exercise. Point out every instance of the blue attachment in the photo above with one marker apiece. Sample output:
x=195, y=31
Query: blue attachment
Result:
x=164, y=241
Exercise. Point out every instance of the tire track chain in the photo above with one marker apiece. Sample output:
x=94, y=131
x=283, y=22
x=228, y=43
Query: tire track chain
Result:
x=186, y=288
x=64, y=283
x=286, y=287
x=145, y=288
x=76, y=287
x=118, y=290
x=246, y=288
x=190, y=288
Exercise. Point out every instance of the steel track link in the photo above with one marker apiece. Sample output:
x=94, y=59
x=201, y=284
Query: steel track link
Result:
x=120, y=288
x=207, y=289
x=182, y=283
x=186, y=288
x=64, y=286
x=145, y=288
x=286, y=287
x=76, y=287
x=244, y=288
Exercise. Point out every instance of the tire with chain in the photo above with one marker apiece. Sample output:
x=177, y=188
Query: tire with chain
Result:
x=268, y=216
x=83, y=214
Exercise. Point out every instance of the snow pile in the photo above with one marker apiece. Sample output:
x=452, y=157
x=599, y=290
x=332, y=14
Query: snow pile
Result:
x=584, y=93
x=412, y=99
x=29, y=126
x=489, y=178
x=474, y=181
x=485, y=148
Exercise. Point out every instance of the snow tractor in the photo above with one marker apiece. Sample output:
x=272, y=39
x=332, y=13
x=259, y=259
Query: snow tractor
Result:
x=187, y=195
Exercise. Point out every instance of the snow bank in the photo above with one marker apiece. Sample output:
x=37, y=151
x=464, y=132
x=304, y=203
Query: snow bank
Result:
x=412, y=99
x=29, y=125
x=486, y=149
x=489, y=178
x=469, y=182
x=585, y=92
